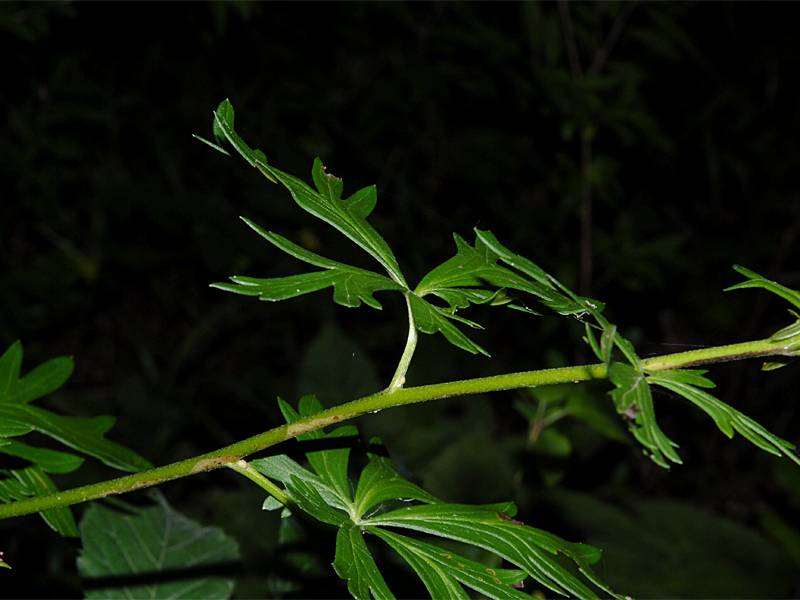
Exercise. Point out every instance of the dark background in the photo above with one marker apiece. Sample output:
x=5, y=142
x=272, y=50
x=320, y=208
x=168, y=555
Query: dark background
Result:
x=677, y=122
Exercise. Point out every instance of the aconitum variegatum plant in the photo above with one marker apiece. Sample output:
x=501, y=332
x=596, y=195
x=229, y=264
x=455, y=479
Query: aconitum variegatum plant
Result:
x=377, y=502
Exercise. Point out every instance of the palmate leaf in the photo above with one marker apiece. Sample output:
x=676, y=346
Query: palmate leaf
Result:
x=18, y=416
x=153, y=552
x=349, y=215
x=686, y=383
x=471, y=277
x=324, y=492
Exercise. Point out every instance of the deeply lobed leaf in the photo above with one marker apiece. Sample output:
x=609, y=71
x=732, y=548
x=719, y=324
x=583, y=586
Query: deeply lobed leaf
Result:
x=633, y=399
x=686, y=383
x=326, y=495
x=349, y=215
x=19, y=416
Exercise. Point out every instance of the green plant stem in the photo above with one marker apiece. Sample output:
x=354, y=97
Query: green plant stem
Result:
x=391, y=397
x=399, y=378
x=244, y=468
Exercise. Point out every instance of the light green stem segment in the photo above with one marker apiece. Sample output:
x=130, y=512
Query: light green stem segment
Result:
x=244, y=468
x=391, y=397
x=399, y=378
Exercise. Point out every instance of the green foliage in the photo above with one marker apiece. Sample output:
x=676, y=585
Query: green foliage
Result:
x=486, y=272
x=472, y=276
x=371, y=505
x=18, y=417
x=366, y=500
x=686, y=383
x=152, y=552
x=352, y=285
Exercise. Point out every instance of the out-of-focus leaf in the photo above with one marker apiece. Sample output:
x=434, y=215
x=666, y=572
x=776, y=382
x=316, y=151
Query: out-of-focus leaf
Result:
x=156, y=543
x=553, y=443
x=336, y=368
x=587, y=409
x=670, y=549
x=778, y=528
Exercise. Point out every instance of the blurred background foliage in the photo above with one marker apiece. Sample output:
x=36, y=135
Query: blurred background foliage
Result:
x=636, y=150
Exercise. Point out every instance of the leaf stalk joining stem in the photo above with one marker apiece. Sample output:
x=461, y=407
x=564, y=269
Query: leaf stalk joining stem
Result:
x=399, y=378
x=244, y=468
x=392, y=397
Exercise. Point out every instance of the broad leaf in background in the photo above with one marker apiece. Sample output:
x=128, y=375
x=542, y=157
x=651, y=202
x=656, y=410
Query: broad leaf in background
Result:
x=553, y=413
x=670, y=549
x=370, y=506
x=686, y=383
x=153, y=552
x=336, y=368
x=18, y=416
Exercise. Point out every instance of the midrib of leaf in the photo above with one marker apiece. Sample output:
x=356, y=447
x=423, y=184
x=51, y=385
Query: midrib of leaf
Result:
x=361, y=233
x=485, y=534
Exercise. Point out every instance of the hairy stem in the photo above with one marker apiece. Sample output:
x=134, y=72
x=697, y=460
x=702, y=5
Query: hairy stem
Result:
x=399, y=378
x=391, y=397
